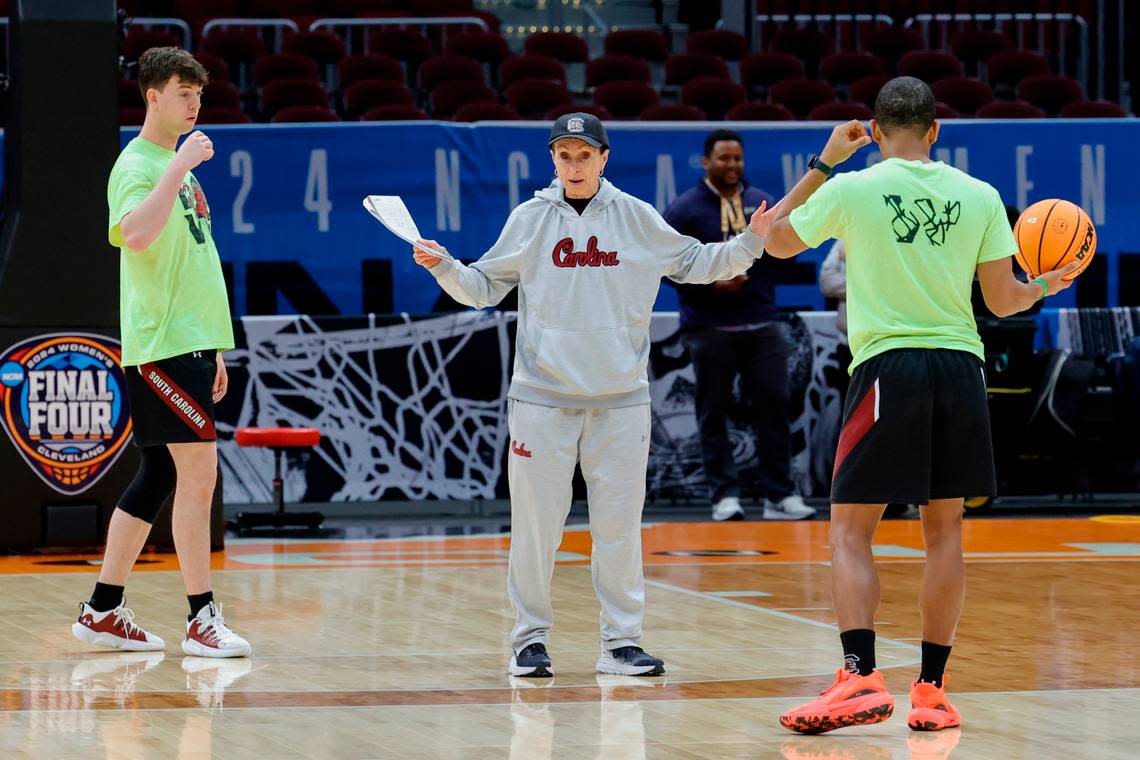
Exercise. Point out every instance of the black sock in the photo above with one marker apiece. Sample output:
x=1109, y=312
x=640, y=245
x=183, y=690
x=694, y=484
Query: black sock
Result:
x=859, y=650
x=197, y=602
x=106, y=597
x=934, y=658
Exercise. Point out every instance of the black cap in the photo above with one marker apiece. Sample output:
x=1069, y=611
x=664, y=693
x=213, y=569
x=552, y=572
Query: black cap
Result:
x=581, y=126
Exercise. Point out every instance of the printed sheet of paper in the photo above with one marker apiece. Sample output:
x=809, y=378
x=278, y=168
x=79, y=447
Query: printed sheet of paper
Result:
x=394, y=215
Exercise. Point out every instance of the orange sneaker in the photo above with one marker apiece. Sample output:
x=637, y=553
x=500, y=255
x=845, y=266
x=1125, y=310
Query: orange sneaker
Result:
x=930, y=710
x=853, y=700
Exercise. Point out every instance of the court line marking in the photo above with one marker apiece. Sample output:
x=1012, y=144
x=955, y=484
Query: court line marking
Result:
x=901, y=696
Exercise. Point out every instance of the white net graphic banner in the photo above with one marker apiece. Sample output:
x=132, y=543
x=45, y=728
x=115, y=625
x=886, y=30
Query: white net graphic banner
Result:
x=417, y=409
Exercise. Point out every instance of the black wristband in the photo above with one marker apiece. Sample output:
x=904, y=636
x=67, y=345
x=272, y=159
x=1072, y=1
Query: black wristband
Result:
x=816, y=163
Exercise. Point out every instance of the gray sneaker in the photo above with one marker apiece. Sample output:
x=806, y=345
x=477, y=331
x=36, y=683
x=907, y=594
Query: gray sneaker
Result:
x=788, y=508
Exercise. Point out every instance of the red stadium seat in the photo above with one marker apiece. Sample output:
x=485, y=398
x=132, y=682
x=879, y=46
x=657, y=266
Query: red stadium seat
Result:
x=672, y=113
x=929, y=65
x=841, y=112
x=395, y=113
x=866, y=90
x=221, y=94
x=601, y=112
x=299, y=114
x=355, y=68
x=323, y=47
x=759, y=112
x=626, y=100
x=1009, y=67
x=271, y=67
x=810, y=45
x=891, y=43
x=765, y=69
x=283, y=8
x=283, y=93
x=646, y=44
x=945, y=111
x=215, y=67
x=405, y=45
x=565, y=46
x=845, y=68
x=616, y=68
x=531, y=67
x=448, y=97
x=1093, y=109
x=366, y=94
x=449, y=68
x=486, y=112
x=725, y=44
x=1003, y=109
x=685, y=66
x=975, y=46
x=222, y=115
x=140, y=40
x=713, y=95
x=1050, y=92
x=963, y=95
x=534, y=97
x=234, y=46
x=189, y=9
x=801, y=95
x=482, y=46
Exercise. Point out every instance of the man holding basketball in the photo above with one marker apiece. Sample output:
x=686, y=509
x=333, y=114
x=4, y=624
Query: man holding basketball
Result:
x=916, y=425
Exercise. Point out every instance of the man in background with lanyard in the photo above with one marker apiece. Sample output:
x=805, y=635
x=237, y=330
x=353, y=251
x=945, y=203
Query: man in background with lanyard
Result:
x=730, y=328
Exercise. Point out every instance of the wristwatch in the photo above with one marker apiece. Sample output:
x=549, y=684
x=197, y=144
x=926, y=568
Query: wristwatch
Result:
x=816, y=163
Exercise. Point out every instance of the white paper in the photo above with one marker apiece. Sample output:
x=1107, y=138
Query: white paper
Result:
x=394, y=215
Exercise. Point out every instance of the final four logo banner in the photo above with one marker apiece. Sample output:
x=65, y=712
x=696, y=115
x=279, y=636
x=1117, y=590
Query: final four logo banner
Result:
x=63, y=405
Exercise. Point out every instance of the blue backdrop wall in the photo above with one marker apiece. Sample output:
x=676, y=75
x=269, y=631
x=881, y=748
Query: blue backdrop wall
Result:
x=286, y=200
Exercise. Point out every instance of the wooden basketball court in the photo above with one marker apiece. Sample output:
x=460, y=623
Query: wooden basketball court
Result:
x=395, y=648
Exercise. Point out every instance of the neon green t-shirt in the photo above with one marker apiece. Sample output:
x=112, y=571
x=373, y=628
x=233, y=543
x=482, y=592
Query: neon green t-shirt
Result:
x=915, y=233
x=172, y=295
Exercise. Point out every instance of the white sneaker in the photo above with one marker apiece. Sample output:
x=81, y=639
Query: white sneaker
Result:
x=788, y=508
x=208, y=636
x=728, y=508
x=114, y=629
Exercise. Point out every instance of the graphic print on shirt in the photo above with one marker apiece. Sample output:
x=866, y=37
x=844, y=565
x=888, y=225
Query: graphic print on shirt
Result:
x=906, y=224
x=195, y=209
x=565, y=256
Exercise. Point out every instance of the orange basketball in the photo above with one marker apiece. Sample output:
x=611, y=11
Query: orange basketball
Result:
x=1052, y=233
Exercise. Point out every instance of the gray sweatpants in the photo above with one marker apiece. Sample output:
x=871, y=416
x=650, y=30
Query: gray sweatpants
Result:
x=613, y=448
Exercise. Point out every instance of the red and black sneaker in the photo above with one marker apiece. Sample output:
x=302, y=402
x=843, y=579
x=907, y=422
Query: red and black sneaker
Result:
x=114, y=629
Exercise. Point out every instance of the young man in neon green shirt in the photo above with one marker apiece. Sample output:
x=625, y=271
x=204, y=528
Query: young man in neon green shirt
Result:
x=175, y=320
x=916, y=426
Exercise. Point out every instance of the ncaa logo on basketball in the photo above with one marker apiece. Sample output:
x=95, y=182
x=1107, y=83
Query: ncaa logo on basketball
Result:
x=576, y=125
x=63, y=405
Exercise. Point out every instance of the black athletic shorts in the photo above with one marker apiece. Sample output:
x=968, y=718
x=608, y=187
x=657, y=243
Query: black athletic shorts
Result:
x=916, y=427
x=172, y=400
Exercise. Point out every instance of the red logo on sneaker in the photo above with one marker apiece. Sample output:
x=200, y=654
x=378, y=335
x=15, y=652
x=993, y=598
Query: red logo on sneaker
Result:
x=520, y=449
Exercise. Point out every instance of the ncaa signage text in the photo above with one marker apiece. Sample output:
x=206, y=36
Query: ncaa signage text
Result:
x=63, y=406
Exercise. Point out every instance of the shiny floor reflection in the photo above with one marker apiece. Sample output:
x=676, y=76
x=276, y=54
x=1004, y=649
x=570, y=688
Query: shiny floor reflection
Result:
x=395, y=649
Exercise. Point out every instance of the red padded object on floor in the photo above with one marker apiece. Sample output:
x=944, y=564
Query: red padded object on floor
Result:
x=277, y=437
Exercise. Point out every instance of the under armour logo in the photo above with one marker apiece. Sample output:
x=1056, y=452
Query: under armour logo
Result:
x=519, y=448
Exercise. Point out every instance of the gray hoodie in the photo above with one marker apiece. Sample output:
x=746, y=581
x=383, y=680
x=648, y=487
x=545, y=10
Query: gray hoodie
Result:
x=587, y=285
